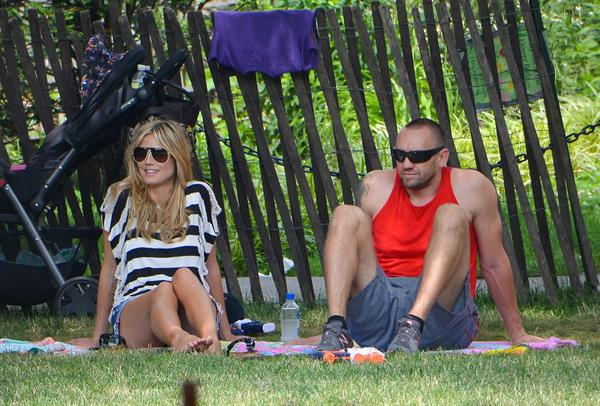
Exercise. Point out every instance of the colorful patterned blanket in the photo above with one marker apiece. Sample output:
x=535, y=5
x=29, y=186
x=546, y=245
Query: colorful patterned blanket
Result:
x=269, y=349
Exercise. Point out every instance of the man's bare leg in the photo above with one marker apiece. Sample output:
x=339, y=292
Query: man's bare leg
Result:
x=350, y=264
x=446, y=262
x=445, y=269
x=350, y=260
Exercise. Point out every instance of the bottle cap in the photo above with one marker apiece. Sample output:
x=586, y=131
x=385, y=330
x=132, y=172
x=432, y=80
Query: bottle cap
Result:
x=289, y=296
x=268, y=327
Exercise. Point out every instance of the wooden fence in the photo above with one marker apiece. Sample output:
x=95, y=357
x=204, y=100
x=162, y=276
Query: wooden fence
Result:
x=379, y=65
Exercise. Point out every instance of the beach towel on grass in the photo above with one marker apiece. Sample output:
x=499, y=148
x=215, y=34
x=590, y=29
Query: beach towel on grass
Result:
x=269, y=349
x=46, y=346
x=506, y=347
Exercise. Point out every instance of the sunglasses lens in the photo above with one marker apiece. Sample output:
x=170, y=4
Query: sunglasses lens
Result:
x=160, y=155
x=418, y=157
x=139, y=154
x=399, y=155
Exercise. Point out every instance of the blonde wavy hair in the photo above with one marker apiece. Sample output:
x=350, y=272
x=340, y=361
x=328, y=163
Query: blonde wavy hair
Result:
x=144, y=214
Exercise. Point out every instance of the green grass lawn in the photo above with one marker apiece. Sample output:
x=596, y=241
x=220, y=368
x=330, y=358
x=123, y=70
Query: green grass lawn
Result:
x=570, y=376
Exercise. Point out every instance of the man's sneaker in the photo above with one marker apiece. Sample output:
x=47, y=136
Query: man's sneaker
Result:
x=407, y=337
x=335, y=337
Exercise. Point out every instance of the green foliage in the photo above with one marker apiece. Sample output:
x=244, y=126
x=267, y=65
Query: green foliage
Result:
x=573, y=36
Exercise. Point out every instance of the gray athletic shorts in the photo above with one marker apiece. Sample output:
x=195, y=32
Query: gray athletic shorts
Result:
x=372, y=315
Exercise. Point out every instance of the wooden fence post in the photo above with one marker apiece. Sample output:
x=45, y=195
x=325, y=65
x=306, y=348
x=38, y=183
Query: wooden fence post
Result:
x=510, y=155
x=410, y=92
x=478, y=146
x=558, y=142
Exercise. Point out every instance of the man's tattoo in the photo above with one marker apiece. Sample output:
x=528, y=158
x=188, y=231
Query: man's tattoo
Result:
x=363, y=189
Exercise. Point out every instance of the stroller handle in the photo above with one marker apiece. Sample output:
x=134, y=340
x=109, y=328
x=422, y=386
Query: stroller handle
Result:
x=167, y=70
x=170, y=67
x=140, y=96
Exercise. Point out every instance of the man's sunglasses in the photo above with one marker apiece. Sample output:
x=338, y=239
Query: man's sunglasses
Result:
x=416, y=157
x=160, y=155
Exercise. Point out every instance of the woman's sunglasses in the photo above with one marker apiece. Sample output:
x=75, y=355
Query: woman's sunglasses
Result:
x=416, y=157
x=160, y=155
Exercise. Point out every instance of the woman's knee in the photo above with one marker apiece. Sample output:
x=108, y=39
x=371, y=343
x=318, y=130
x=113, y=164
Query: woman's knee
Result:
x=183, y=276
x=186, y=282
x=164, y=290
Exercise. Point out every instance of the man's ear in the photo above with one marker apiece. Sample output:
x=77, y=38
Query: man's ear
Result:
x=442, y=157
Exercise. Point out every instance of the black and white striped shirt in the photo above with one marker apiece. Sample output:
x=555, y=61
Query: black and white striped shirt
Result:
x=141, y=264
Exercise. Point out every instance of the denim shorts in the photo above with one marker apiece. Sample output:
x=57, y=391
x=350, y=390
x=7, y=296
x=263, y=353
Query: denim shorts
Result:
x=372, y=315
x=115, y=316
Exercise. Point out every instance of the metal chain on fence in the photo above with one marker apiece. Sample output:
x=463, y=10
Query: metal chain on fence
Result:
x=570, y=138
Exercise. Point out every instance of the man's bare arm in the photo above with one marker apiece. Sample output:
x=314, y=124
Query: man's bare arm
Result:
x=363, y=189
x=374, y=190
x=494, y=262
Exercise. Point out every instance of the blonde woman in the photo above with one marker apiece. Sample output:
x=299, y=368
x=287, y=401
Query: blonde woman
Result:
x=160, y=283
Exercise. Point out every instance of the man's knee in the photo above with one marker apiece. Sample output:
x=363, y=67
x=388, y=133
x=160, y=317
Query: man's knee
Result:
x=452, y=218
x=346, y=215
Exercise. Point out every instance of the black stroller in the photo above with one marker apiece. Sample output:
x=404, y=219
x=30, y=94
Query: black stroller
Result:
x=26, y=193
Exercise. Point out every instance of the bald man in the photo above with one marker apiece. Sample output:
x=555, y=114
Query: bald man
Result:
x=400, y=266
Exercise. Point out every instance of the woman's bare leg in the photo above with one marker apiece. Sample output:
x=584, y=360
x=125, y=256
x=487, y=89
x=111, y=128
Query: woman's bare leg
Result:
x=199, y=309
x=152, y=321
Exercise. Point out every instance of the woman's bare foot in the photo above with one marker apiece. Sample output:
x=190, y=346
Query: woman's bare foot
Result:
x=215, y=347
x=185, y=342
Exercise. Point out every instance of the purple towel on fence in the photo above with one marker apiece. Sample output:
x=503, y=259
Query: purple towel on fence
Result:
x=271, y=42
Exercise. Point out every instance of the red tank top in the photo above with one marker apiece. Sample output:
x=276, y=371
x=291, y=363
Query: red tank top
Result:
x=401, y=231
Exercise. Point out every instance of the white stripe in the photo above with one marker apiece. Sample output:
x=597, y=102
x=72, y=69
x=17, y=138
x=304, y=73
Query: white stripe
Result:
x=158, y=263
x=139, y=282
x=140, y=242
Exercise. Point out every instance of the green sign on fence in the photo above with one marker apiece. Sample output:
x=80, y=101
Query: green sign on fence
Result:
x=507, y=89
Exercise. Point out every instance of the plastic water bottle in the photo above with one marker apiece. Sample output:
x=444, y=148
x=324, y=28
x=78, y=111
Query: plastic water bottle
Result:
x=290, y=318
x=138, y=79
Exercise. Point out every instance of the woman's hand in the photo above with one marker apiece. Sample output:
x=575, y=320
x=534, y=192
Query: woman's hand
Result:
x=227, y=335
x=84, y=342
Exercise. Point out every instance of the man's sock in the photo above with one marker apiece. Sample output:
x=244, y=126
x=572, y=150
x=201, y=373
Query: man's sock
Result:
x=417, y=318
x=337, y=317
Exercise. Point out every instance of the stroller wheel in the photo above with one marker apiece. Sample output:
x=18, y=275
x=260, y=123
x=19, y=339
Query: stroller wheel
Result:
x=77, y=297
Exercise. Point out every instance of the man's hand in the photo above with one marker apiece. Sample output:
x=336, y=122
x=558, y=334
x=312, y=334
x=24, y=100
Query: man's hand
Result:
x=523, y=337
